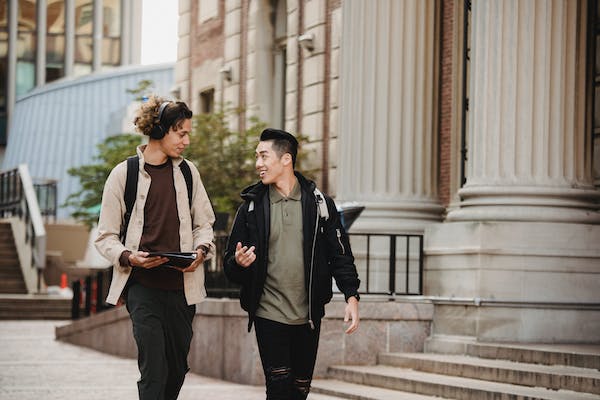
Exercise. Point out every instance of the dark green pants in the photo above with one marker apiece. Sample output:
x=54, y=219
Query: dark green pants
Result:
x=162, y=327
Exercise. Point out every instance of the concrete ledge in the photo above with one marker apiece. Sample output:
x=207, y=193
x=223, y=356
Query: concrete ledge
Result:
x=222, y=347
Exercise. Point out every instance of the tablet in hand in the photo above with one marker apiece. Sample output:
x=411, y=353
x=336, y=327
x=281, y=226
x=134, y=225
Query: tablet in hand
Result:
x=177, y=259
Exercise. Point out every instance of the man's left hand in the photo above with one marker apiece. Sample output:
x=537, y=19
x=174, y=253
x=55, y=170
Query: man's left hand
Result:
x=197, y=262
x=351, y=313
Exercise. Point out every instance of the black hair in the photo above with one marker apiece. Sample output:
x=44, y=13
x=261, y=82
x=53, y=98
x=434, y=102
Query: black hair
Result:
x=283, y=142
x=175, y=113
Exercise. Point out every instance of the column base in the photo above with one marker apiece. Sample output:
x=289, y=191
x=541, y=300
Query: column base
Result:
x=514, y=281
x=528, y=203
x=397, y=217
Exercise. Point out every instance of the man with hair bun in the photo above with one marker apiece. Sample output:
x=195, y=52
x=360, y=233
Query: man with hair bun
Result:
x=170, y=214
x=285, y=246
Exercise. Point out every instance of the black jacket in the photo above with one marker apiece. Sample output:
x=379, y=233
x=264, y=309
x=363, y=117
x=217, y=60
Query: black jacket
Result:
x=327, y=250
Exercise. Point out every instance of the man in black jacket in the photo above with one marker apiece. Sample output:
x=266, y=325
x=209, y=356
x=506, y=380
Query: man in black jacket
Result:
x=285, y=246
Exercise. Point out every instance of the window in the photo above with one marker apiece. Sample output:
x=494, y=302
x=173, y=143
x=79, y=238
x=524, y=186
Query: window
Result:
x=207, y=101
x=26, y=46
x=84, y=19
x=111, y=33
x=55, y=41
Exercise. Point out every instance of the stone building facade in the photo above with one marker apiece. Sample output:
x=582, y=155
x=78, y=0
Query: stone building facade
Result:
x=474, y=123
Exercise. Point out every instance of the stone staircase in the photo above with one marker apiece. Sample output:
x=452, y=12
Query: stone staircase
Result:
x=485, y=372
x=15, y=301
x=11, y=277
x=34, y=306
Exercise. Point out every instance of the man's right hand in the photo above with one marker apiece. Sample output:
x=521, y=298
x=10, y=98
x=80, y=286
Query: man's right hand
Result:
x=140, y=259
x=244, y=256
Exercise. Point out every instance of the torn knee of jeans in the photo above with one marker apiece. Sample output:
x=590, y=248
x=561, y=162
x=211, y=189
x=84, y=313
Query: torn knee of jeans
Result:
x=303, y=385
x=279, y=373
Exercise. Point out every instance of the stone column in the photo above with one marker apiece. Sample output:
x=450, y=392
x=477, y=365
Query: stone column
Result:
x=387, y=139
x=183, y=71
x=126, y=33
x=528, y=153
x=521, y=252
x=230, y=88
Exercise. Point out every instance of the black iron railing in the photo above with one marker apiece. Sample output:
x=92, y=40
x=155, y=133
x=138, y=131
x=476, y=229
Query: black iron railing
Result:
x=388, y=264
x=45, y=190
x=217, y=284
x=18, y=199
x=89, y=293
x=12, y=195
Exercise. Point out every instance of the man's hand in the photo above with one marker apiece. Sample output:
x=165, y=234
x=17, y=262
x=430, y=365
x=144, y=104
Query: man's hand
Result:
x=140, y=259
x=351, y=312
x=200, y=256
x=244, y=256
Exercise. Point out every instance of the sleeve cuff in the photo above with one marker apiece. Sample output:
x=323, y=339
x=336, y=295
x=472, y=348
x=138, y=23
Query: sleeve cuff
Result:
x=204, y=249
x=124, y=258
x=355, y=294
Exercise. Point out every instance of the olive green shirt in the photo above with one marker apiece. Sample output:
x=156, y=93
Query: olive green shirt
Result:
x=284, y=298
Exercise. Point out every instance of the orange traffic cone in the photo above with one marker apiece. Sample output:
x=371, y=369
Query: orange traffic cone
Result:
x=63, y=280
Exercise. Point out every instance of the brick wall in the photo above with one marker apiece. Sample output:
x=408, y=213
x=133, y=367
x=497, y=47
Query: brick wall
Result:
x=446, y=118
x=208, y=37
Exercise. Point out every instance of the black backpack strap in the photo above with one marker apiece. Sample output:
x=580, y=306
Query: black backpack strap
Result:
x=322, y=205
x=133, y=167
x=187, y=174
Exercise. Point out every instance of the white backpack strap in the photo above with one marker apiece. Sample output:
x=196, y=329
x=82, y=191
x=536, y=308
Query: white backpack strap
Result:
x=323, y=210
x=251, y=206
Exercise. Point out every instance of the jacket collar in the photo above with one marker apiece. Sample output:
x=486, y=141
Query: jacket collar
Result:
x=140, y=153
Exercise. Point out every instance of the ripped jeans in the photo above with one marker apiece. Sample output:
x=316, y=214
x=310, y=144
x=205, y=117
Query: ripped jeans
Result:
x=288, y=354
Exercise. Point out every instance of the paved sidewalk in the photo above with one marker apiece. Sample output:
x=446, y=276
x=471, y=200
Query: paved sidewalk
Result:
x=34, y=366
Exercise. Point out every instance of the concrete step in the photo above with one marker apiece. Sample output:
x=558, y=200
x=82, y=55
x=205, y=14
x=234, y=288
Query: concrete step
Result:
x=574, y=355
x=10, y=261
x=554, y=377
x=425, y=383
x=13, y=288
x=32, y=306
x=12, y=282
x=14, y=270
x=347, y=390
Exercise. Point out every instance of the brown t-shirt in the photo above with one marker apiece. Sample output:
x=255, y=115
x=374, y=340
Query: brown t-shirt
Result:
x=161, y=228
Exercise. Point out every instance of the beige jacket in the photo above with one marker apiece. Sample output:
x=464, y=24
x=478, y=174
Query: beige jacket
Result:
x=195, y=227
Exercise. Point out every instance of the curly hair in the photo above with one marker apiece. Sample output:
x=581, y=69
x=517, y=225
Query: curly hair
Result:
x=173, y=115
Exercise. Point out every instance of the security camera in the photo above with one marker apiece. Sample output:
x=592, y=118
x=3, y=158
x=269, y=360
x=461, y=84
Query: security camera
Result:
x=306, y=40
x=225, y=72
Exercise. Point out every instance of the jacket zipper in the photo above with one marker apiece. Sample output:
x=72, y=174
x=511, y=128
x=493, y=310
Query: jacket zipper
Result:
x=339, y=238
x=312, y=263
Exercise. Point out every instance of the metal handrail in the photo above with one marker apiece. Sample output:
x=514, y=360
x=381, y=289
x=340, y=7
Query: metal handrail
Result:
x=403, y=256
x=18, y=199
x=398, y=247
